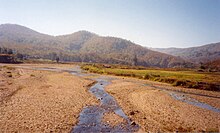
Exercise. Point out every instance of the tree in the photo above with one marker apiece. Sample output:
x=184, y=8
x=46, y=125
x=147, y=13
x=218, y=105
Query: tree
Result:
x=20, y=56
x=53, y=56
x=134, y=63
x=4, y=51
x=10, y=51
x=202, y=66
x=57, y=59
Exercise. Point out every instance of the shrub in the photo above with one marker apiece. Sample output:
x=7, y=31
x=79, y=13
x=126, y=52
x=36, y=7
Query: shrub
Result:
x=156, y=79
x=179, y=83
x=133, y=75
x=146, y=76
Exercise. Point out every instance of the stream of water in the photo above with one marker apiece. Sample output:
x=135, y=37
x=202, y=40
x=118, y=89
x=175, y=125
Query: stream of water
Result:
x=181, y=96
x=90, y=119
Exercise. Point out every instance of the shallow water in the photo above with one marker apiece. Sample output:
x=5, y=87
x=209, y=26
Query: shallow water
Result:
x=192, y=101
x=186, y=99
x=90, y=119
x=180, y=96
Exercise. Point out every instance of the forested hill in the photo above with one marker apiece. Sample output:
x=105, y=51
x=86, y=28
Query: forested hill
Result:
x=200, y=54
x=83, y=46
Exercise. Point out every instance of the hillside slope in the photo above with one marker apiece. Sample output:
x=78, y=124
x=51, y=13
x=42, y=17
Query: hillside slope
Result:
x=205, y=53
x=84, y=46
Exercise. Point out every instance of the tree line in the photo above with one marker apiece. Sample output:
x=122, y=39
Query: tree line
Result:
x=73, y=57
x=10, y=51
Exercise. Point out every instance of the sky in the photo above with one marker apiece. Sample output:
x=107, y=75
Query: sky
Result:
x=150, y=23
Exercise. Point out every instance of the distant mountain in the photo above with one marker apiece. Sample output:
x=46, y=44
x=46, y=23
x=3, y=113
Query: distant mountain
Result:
x=83, y=46
x=201, y=54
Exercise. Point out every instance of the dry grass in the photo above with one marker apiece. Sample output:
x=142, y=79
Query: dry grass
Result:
x=185, y=78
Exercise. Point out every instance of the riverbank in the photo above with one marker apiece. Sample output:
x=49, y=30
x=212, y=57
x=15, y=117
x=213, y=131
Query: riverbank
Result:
x=50, y=98
x=41, y=101
x=187, y=78
x=155, y=110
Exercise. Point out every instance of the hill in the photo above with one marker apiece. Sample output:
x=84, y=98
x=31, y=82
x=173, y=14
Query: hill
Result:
x=201, y=54
x=213, y=65
x=83, y=46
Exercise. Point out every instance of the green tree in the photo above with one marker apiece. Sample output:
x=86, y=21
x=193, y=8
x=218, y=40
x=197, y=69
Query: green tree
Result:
x=10, y=51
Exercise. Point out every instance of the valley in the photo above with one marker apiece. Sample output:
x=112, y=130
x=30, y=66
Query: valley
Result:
x=50, y=97
x=109, y=66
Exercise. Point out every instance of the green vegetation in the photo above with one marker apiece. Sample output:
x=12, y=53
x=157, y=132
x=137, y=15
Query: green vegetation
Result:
x=8, y=55
x=186, y=78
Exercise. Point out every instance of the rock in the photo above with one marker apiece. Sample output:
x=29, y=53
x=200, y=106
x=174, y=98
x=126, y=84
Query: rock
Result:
x=132, y=113
x=133, y=123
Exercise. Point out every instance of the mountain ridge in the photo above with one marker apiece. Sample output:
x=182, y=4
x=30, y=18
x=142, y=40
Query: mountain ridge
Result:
x=199, y=54
x=84, y=46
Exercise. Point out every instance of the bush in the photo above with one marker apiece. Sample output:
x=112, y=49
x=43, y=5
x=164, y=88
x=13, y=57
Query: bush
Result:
x=146, y=76
x=151, y=76
x=179, y=83
x=133, y=75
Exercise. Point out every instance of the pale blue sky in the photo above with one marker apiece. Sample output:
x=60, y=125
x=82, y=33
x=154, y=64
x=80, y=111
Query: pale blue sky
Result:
x=151, y=23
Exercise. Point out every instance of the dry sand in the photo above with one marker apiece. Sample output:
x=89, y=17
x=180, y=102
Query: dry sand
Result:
x=112, y=119
x=154, y=110
x=41, y=101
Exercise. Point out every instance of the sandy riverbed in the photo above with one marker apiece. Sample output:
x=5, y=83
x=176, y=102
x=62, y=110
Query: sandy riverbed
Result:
x=45, y=101
x=41, y=101
x=155, y=110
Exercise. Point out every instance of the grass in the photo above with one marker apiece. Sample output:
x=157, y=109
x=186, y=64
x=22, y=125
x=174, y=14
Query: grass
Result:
x=176, y=77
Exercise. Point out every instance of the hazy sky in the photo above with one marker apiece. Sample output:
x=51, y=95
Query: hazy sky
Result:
x=151, y=23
